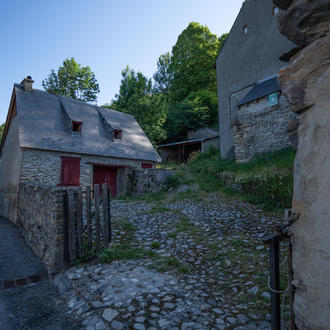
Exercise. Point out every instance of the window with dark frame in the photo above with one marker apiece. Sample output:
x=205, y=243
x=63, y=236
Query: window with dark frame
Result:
x=76, y=126
x=245, y=29
x=70, y=171
x=276, y=10
x=118, y=134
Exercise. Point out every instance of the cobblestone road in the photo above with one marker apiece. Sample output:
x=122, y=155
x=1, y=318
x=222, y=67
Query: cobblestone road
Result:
x=208, y=268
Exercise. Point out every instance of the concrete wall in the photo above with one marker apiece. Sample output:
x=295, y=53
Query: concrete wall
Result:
x=44, y=167
x=261, y=128
x=246, y=59
x=9, y=173
x=40, y=213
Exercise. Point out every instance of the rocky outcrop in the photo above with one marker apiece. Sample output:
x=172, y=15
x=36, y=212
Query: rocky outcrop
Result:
x=304, y=21
x=306, y=84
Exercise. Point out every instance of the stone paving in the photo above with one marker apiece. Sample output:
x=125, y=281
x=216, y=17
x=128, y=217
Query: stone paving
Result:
x=208, y=269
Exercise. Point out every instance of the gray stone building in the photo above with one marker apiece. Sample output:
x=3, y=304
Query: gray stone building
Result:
x=54, y=140
x=253, y=113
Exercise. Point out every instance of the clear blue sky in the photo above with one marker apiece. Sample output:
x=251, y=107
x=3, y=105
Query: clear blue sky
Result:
x=37, y=35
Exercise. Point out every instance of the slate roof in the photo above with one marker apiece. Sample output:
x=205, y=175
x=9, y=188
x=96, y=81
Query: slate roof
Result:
x=189, y=141
x=45, y=123
x=261, y=89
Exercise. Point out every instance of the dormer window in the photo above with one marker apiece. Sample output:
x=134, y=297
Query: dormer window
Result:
x=76, y=126
x=118, y=134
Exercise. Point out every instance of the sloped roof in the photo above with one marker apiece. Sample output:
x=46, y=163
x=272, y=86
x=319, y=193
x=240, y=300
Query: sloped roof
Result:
x=45, y=123
x=260, y=90
x=191, y=141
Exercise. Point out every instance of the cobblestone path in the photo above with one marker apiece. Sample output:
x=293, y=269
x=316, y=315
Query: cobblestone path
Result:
x=207, y=269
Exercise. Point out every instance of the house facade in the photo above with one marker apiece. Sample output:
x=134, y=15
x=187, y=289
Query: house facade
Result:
x=54, y=140
x=253, y=113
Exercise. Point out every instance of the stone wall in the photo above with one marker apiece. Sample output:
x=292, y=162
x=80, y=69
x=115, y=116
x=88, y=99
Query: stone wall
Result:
x=41, y=218
x=9, y=173
x=44, y=167
x=306, y=83
x=260, y=128
x=149, y=180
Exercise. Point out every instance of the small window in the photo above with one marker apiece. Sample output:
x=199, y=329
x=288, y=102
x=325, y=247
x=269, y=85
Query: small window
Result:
x=118, y=134
x=146, y=165
x=245, y=29
x=70, y=171
x=76, y=126
x=275, y=10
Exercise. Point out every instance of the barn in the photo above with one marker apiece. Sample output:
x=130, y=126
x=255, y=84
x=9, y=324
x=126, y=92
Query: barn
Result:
x=55, y=140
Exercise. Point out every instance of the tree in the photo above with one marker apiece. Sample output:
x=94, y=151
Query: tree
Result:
x=222, y=39
x=135, y=97
x=2, y=127
x=163, y=76
x=192, y=62
x=73, y=80
x=199, y=109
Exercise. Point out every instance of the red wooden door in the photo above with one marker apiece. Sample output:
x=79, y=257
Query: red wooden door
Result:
x=103, y=174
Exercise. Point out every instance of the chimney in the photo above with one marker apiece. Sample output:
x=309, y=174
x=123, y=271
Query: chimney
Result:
x=27, y=83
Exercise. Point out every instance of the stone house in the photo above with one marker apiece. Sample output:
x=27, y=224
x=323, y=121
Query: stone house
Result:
x=253, y=113
x=54, y=140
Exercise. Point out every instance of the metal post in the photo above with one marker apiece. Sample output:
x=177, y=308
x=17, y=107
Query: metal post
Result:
x=274, y=255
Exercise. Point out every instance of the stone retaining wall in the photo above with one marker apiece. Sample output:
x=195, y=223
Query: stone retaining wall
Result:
x=41, y=218
x=149, y=180
x=260, y=128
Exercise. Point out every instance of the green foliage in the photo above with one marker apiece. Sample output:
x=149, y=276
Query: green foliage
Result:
x=183, y=95
x=198, y=109
x=163, y=76
x=124, y=251
x=126, y=225
x=192, y=62
x=173, y=181
x=159, y=209
x=73, y=80
x=2, y=127
x=222, y=39
x=281, y=159
x=155, y=245
x=170, y=263
x=272, y=188
x=135, y=98
x=267, y=179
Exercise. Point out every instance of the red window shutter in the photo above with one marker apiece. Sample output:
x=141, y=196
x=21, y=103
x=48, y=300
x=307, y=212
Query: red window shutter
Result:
x=146, y=165
x=70, y=171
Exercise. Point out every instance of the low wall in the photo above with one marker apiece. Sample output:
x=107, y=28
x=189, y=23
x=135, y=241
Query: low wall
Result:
x=260, y=128
x=149, y=180
x=41, y=218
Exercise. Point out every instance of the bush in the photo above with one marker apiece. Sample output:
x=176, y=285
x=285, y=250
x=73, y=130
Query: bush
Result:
x=267, y=178
x=274, y=188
